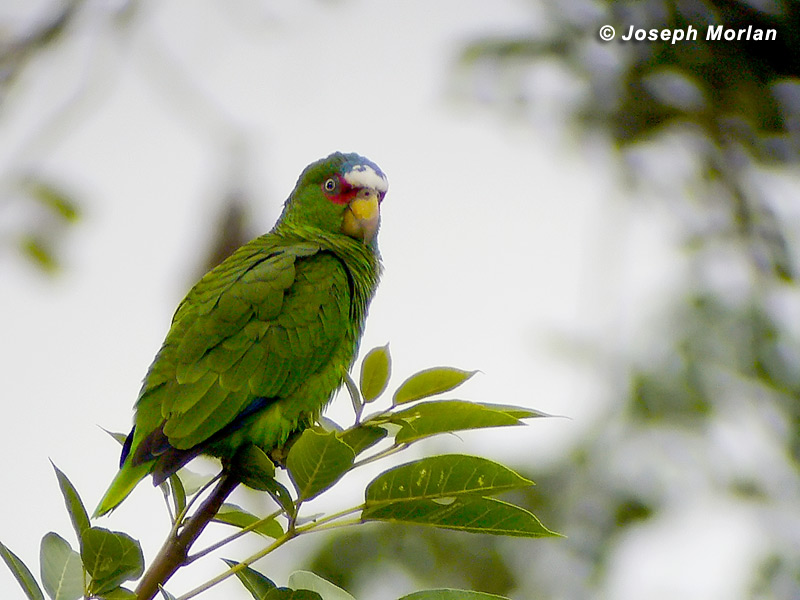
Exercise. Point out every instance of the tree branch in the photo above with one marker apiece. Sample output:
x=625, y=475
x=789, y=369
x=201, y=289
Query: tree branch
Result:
x=174, y=552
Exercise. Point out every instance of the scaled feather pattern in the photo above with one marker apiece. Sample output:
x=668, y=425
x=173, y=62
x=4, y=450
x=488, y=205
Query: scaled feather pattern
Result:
x=260, y=344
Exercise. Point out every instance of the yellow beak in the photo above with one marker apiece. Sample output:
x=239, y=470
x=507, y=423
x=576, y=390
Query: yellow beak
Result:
x=362, y=216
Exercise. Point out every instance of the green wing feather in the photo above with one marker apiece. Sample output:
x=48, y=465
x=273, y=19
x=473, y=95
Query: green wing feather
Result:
x=272, y=321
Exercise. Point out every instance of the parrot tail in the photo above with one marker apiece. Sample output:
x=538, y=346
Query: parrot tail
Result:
x=126, y=479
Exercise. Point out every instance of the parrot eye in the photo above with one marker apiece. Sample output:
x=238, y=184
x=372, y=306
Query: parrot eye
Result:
x=330, y=185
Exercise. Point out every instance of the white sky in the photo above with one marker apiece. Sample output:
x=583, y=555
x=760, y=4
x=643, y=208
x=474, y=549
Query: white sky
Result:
x=496, y=235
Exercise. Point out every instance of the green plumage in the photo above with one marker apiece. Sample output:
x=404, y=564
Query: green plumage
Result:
x=261, y=342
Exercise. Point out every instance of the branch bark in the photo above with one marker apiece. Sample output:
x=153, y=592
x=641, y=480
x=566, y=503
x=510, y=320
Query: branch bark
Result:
x=175, y=550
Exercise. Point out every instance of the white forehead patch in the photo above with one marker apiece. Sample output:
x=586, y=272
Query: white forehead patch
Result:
x=364, y=176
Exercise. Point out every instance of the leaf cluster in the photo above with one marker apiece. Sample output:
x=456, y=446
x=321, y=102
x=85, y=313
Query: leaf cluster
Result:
x=52, y=213
x=103, y=562
x=451, y=491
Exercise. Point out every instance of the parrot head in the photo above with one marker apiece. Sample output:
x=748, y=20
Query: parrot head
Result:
x=341, y=193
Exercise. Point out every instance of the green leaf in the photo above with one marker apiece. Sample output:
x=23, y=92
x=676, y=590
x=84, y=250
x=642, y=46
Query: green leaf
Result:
x=22, y=574
x=318, y=460
x=287, y=594
x=473, y=514
x=447, y=594
x=178, y=493
x=306, y=580
x=375, y=371
x=230, y=514
x=75, y=508
x=363, y=437
x=254, y=468
x=282, y=497
x=118, y=437
x=254, y=582
x=54, y=198
x=443, y=476
x=328, y=424
x=62, y=573
x=355, y=395
x=192, y=482
x=110, y=557
x=518, y=412
x=429, y=383
x=444, y=416
x=119, y=593
x=38, y=250
x=165, y=594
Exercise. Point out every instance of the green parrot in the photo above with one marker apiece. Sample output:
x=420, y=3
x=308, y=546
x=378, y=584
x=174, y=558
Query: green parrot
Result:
x=260, y=344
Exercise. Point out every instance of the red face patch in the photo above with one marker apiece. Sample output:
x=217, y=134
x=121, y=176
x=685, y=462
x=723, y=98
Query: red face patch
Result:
x=337, y=190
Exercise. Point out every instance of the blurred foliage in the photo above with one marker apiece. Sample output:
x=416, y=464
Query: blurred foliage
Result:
x=714, y=341
x=18, y=49
x=433, y=557
x=50, y=212
x=231, y=230
x=730, y=357
x=38, y=238
x=26, y=187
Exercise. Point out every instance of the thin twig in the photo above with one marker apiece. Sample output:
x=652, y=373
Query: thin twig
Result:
x=331, y=526
x=236, y=568
x=379, y=455
x=197, y=495
x=327, y=519
x=324, y=524
x=232, y=537
x=176, y=524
